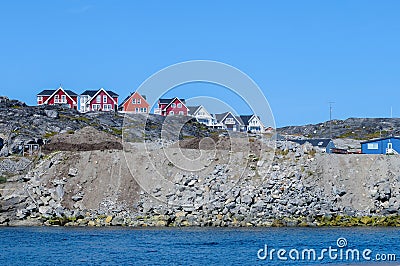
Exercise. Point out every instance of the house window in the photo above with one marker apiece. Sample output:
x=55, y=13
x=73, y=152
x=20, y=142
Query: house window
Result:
x=63, y=98
x=180, y=112
x=145, y=110
x=56, y=99
x=136, y=110
x=179, y=105
x=173, y=105
x=104, y=99
x=96, y=107
x=229, y=120
x=40, y=98
x=98, y=99
x=133, y=101
x=373, y=146
x=138, y=101
x=171, y=113
x=107, y=107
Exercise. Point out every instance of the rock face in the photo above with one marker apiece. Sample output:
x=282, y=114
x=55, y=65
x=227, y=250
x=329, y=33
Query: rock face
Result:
x=354, y=128
x=22, y=124
x=300, y=188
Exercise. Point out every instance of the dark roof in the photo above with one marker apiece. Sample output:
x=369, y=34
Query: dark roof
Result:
x=46, y=93
x=193, y=109
x=321, y=143
x=123, y=102
x=219, y=117
x=167, y=101
x=245, y=119
x=91, y=93
x=379, y=139
x=71, y=93
x=50, y=92
x=239, y=119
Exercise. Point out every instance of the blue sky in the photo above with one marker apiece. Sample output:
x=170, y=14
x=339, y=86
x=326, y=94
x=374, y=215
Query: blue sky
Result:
x=302, y=54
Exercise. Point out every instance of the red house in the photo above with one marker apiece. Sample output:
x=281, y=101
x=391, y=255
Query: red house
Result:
x=135, y=103
x=173, y=106
x=59, y=96
x=100, y=100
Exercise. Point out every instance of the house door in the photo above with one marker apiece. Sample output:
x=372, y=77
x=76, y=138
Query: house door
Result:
x=390, y=146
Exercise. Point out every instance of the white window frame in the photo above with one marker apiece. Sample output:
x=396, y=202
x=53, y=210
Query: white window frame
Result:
x=145, y=109
x=56, y=99
x=373, y=146
x=139, y=101
x=133, y=101
x=104, y=98
x=40, y=98
x=179, y=105
x=63, y=98
x=173, y=105
x=98, y=99
x=229, y=121
x=137, y=110
x=171, y=113
x=96, y=107
x=181, y=113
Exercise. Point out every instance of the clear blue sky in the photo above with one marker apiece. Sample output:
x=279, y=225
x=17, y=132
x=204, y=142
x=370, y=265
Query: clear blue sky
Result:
x=302, y=54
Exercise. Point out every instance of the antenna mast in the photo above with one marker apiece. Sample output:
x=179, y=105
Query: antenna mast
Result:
x=330, y=118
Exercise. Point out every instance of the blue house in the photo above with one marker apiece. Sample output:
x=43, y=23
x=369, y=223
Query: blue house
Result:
x=388, y=145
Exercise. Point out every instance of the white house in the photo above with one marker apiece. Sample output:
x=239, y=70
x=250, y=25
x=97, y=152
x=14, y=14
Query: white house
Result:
x=252, y=123
x=202, y=115
x=229, y=121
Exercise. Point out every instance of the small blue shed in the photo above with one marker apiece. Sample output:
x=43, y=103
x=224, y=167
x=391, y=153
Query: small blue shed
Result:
x=388, y=145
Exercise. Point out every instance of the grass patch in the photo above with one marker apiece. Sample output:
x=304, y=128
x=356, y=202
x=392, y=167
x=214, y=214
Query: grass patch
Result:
x=3, y=179
x=282, y=152
x=116, y=131
x=50, y=134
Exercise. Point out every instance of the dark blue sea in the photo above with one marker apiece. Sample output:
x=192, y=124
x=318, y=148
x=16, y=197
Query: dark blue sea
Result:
x=198, y=246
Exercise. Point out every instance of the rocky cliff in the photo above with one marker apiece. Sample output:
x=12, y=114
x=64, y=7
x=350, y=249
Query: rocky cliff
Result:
x=352, y=128
x=100, y=169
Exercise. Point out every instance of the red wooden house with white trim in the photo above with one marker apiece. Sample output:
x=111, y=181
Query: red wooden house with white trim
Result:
x=58, y=96
x=173, y=106
x=100, y=100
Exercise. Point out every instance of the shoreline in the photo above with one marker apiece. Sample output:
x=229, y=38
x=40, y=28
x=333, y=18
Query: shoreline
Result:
x=167, y=221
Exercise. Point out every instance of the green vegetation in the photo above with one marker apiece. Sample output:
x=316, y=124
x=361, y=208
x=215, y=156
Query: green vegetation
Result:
x=50, y=134
x=375, y=135
x=282, y=152
x=348, y=134
x=3, y=179
x=116, y=131
x=359, y=221
x=312, y=152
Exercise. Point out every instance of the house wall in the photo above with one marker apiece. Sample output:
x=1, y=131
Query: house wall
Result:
x=130, y=107
x=102, y=103
x=330, y=146
x=176, y=109
x=43, y=99
x=235, y=126
x=203, y=117
x=67, y=101
x=255, y=125
x=381, y=146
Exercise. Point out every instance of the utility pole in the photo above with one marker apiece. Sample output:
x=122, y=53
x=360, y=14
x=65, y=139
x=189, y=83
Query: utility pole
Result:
x=330, y=118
